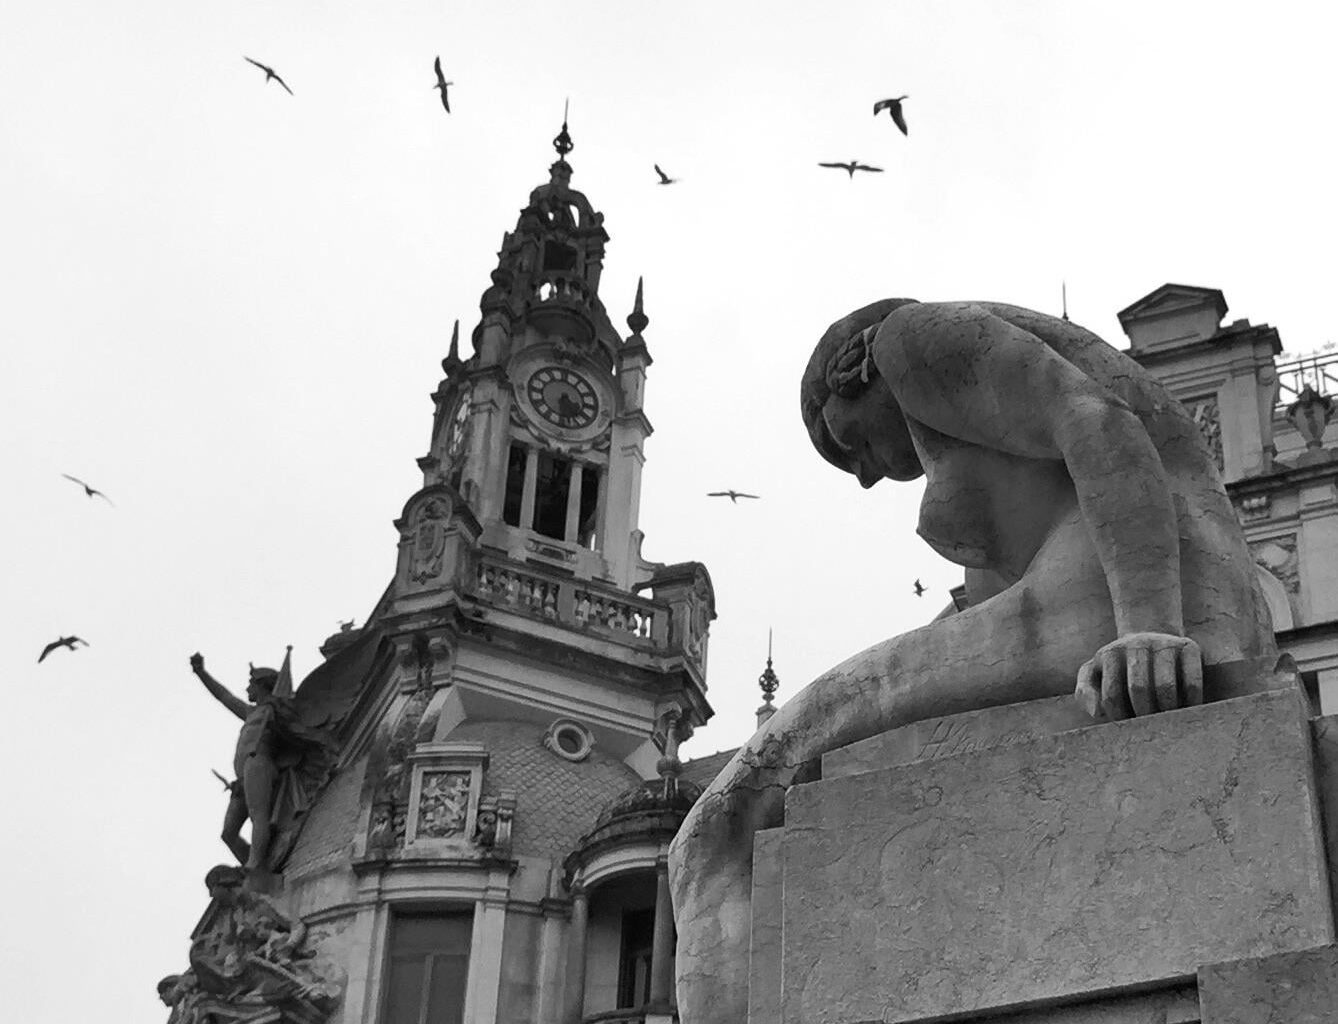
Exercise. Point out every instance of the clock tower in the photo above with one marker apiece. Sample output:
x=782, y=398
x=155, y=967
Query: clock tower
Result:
x=492, y=845
x=541, y=430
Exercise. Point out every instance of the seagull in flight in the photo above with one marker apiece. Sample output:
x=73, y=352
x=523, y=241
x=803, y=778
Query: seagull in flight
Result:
x=851, y=167
x=664, y=178
x=442, y=84
x=65, y=641
x=733, y=496
x=90, y=491
x=269, y=73
x=893, y=107
x=920, y=589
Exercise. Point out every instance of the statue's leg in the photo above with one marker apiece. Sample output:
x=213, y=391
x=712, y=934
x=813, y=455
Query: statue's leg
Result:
x=1024, y=643
x=258, y=780
x=233, y=820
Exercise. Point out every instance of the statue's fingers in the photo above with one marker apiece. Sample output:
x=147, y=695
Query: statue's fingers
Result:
x=1138, y=665
x=1191, y=673
x=1088, y=691
x=1114, y=692
x=1165, y=677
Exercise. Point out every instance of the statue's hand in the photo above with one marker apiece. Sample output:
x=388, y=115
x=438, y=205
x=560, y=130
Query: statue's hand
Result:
x=1141, y=674
x=197, y=663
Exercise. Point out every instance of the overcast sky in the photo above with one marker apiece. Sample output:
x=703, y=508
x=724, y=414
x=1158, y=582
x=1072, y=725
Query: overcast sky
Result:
x=227, y=306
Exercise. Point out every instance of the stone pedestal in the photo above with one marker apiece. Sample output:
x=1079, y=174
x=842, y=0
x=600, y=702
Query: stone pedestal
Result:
x=1002, y=869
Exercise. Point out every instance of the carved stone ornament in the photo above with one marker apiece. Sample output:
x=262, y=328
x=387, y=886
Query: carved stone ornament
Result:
x=1279, y=556
x=429, y=542
x=250, y=963
x=1208, y=417
x=570, y=740
x=443, y=804
x=444, y=793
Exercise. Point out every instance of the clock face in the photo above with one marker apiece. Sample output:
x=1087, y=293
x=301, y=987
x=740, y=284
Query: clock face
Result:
x=459, y=427
x=563, y=397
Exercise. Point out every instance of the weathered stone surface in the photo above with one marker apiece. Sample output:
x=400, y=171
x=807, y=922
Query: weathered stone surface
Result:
x=1325, y=731
x=1122, y=854
x=1178, y=1005
x=1289, y=988
x=764, y=960
x=968, y=732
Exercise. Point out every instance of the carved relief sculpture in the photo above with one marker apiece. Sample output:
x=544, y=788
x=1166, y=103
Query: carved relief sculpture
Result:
x=250, y=963
x=429, y=543
x=443, y=804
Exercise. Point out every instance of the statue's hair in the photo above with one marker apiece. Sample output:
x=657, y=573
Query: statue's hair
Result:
x=169, y=982
x=841, y=364
x=224, y=874
x=266, y=677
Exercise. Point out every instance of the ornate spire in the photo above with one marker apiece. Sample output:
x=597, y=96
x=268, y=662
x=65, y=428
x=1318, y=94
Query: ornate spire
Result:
x=770, y=683
x=562, y=141
x=637, y=319
x=560, y=171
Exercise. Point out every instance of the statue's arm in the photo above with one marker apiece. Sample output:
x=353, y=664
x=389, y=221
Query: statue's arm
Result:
x=221, y=693
x=969, y=374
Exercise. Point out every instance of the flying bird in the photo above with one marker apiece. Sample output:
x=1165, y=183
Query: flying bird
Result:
x=442, y=84
x=269, y=73
x=893, y=107
x=664, y=178
x=65, y=641
x=851, y=167
x=733, y=496
x=90, y=491
x=920, y=589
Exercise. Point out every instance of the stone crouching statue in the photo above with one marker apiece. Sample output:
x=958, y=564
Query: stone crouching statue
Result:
x=281, y=760
x=1101, y=553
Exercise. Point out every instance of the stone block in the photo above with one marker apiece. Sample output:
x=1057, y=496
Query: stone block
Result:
x=1062, y=868
x=1289, y=988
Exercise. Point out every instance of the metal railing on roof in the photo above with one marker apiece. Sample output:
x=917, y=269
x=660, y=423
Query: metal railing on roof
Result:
x=1318, y=369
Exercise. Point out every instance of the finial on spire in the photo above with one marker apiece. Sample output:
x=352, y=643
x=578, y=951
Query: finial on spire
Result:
x=770, y=683
x=1064, y=293
x=562, y=142
x=452, y=362
x=637, y=319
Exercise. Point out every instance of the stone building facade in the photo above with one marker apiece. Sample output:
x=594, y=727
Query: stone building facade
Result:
x=1270, y=421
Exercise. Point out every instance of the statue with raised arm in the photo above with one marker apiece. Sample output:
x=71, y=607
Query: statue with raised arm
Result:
x=279, y=761
x=1102, y=558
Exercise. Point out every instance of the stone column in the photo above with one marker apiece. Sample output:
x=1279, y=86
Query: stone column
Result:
x=573, y=1003
x=662, y=942
x=570, y=534
x=531, y=483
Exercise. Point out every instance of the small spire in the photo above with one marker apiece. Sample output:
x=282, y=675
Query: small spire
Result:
x=562, y=142
x=637, y=319
x=770, y=683
x=452, y=361
x=1064, y=293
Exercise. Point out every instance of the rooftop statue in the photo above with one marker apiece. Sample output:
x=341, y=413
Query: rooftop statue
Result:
x=1102, y=558
x=282, y=758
